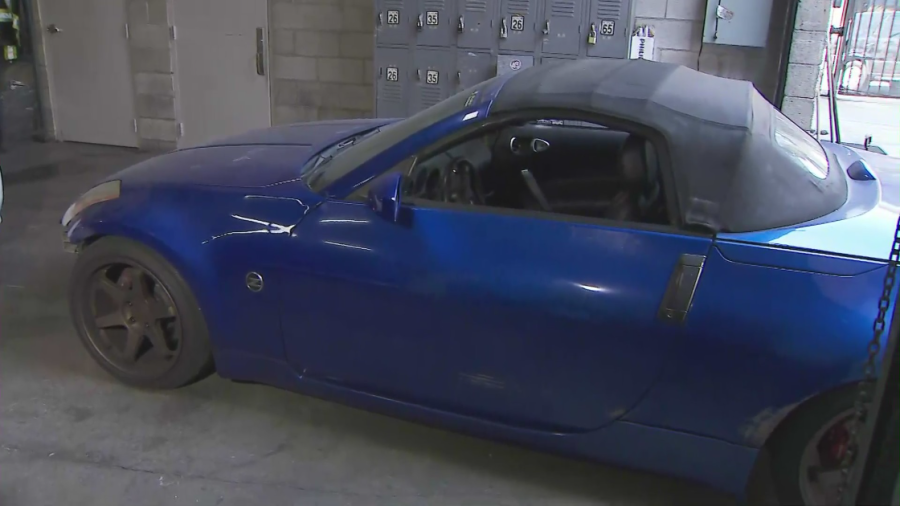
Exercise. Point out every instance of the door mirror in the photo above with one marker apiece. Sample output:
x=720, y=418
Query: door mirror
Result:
x=384, y=196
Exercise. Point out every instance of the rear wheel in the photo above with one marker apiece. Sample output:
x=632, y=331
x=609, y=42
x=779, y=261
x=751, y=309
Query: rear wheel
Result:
x=807, y=452
x=137, y=317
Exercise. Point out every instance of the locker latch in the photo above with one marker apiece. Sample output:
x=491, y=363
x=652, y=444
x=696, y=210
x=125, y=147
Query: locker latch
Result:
x=380, y=18
x=420, y=22
x=419, y=74
x=461, y=25
x=504, y=30
x=592, y=34
x=547, y=27
x=458, y=76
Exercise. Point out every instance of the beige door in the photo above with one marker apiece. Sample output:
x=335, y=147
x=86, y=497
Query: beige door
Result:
x=223, y=89
x=90, y=77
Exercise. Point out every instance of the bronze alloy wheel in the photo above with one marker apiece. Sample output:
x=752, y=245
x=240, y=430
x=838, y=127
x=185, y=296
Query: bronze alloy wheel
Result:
x=132, y=321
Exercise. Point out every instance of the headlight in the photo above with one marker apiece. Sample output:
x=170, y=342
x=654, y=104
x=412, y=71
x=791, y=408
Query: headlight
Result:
x=101, y=193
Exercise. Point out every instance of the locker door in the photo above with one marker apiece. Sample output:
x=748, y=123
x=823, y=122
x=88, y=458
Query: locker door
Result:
x=474, y=68
x=477, y=24
x=392, y=82
x=394, y=23
x=562, y=26
x=609, y=22
x=435, y=24
x=431, y=78
x=517, y=29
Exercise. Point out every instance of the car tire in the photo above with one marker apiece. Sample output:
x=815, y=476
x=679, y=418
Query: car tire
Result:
x=192, y=360
x=790, y=442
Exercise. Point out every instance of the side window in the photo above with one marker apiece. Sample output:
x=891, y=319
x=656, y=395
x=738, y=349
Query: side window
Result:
x=361, y=193
x=567, y=167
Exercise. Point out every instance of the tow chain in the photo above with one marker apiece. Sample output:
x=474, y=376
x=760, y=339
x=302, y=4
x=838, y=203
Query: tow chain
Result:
x=864, y=393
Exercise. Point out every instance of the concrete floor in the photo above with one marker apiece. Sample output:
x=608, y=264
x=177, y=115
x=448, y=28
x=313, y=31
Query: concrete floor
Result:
x=71, y=435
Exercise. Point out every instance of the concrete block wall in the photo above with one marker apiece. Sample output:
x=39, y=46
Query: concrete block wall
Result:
x=321, y=59
x=805, y=59
x=678, y=27
x=150, y=48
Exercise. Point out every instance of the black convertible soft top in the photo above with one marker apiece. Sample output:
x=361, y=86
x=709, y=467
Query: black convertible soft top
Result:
x=737, y=163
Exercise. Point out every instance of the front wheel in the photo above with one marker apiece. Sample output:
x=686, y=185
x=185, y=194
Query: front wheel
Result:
x=137, y=317
x=807, y=452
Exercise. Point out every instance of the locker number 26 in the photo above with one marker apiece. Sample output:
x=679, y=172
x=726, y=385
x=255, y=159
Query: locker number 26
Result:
x=393, y=74
x=517, y=23
x=393, y=17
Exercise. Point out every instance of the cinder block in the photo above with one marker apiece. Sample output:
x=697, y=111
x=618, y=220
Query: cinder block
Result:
x=136, y=12
x=340, y=114
x=808, y=47
x=813, y=15
x=799, y=110
x=283, y=42
x=692, y=10
x=349, y=96
x=802, y=80
x=312, y=43
x=357, y=45
x=359, y=19
x=155, y=106
x=686, y=58
x=154, y=84
x=157, y=129
x=650, y=8
x=150, y=36
x=312, y=95
x=340, y=70
x=157, y=12
x=156, y=146
x=151, y=60
x=285, y=115
x=284, y=91
x=368, y=71
x=300, y=68
x=308, y=16
x=676, y=34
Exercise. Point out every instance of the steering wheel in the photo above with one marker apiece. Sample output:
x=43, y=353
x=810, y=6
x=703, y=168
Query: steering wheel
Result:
x=460, y=183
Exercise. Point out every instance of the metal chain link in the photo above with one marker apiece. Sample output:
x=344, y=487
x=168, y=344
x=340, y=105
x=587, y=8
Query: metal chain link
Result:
x=863, y=400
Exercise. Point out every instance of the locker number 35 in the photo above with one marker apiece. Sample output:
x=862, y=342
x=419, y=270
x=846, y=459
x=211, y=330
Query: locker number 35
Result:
x=432, y=77
x=431, y=18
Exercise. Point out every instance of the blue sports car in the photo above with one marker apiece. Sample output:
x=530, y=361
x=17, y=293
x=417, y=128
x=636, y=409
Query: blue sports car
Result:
x=627, y=261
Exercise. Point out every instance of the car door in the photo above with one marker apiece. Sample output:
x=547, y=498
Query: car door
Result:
x=529, y=319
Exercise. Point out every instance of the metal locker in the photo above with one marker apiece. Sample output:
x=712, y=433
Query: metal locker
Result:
x=551, y=59
x=517, y=25
x=392, y=82
x=561, y=26
x=432, y=77
x=393, y=24
x=473, y=68
x=609, y=28
x=435, y=24
x=477, y=24
x=507, y=63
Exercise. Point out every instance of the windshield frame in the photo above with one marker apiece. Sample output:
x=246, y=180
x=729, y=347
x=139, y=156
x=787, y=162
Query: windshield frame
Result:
x=356, y=156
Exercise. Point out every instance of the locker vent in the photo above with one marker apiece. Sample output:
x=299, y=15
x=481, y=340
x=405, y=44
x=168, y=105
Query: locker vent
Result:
x=563, y=9
x=431, y=96
x=519, y=6
x=434, y=4
x=609, y=9
x=392, y=92
x=476, y=6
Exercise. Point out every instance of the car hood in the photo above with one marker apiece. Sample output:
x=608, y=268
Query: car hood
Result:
x=864, y=227
x=255, y=159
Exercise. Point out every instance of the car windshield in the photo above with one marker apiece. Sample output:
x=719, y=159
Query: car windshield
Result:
x=364, y=149
x=801, y=147
x=335, y=150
